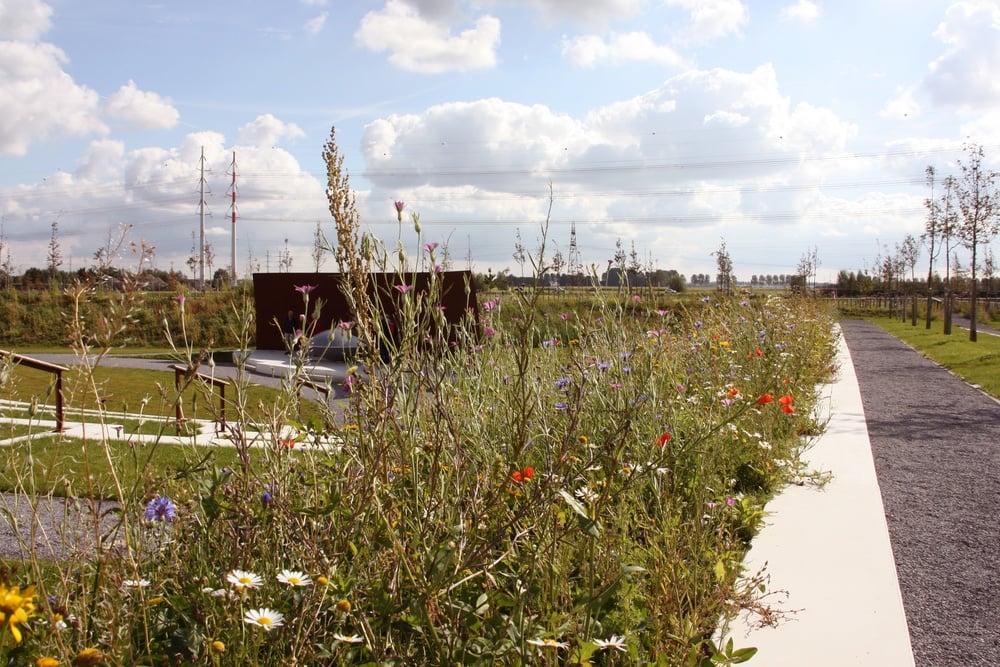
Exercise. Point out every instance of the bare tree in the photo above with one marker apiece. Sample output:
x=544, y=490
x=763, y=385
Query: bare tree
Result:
x=949, y=228
x=977, y=201
x=285, y=259
x=319, y=247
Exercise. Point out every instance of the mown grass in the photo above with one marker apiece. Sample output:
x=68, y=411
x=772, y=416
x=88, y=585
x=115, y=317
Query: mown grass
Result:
x=977, y=363
x=70, y=467
x=131, y=390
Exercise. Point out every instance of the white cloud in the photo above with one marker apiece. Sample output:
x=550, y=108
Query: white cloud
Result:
x=587, y=12
x=711, y=19
x=804, y=11
x=266, y=130
x=314, y=3
x=902, y=105
x=418, y=45
x=966, y=74
x=102, y=161
x=38, y=98
x=591, y=50
x=314, y=26
x=24, y=20
x=140, y=108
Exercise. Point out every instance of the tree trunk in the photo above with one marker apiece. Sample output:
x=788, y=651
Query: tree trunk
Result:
x=947, y=314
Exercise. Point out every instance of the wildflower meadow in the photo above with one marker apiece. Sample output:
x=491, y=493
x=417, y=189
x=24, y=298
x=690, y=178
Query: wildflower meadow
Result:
x=565, y=483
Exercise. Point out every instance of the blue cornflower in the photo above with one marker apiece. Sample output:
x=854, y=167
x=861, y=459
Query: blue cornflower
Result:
x=562, y=382
x=160, y=509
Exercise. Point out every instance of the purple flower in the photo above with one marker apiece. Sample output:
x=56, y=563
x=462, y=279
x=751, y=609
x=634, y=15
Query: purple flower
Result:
x=489, y=332
x=180, y=300
x=404, y=288
x=564, y=316
x=429, y=247
x=491, y=305
x=305, y=289
x=562, y=382
x=160, y=509
x=603, y=366
x=399, y=209
x=697, y=324
x=730, y=501
x=346, y=325
x=561, y=406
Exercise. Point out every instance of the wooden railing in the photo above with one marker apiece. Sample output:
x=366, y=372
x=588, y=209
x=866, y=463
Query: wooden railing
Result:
x=40, y=365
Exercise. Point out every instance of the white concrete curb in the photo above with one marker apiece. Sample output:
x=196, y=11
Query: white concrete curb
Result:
x=829, y=549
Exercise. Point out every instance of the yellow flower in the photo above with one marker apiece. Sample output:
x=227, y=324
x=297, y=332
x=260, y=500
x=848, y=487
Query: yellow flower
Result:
x=218, y=647
x=322, y=581
x=344, y=606
x=15, y=608
x=46, y=662
x=88, y=657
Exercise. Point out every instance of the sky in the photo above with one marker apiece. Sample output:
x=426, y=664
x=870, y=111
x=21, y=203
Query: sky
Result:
x=778, y=127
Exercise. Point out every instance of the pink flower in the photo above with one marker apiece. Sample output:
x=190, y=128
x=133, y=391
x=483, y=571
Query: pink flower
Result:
x=180, y=300
x=491, y=305
x=564, y=316
x=429, y=247
x=489, y=332
x=346, y=325
x=636, y=298
x=399, y=209
x=305, y=289
x=404, y=288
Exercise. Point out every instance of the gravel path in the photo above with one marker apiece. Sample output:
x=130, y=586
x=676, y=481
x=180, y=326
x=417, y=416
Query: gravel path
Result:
x=936, y=444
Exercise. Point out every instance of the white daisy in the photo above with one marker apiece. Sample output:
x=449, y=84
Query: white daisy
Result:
x=548, y=643
x=614, y=642
x=264, y=618
x=348, y=639
x=241, y=579
x=135, y=583
x=294, y=578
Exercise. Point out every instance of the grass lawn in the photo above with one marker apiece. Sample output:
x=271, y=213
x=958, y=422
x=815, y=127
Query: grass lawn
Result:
x=72, y=467
x=125, y=389
x=977, y=363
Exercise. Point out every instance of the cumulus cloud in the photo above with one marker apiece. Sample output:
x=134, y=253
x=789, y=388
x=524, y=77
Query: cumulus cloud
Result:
x=266, y=130
x=140, y=108
x=965, y=75
x=24, y=20
x=38, y=98
x=620, y=48
x=660, y=160
x=314, y=26
x=416, y=44
x=587, y=12
x=712, y=19
x=803, y=11
x=903, y=104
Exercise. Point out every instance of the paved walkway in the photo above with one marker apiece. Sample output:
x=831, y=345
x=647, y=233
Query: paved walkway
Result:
x=894, y=562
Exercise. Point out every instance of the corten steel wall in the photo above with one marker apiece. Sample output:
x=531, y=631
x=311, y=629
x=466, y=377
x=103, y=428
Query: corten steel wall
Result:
x=275, y=295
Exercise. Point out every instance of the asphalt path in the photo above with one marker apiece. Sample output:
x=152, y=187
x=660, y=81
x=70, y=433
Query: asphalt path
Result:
x=936, y=446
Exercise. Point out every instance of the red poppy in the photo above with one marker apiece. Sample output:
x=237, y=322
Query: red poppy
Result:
x=525, y=475
x=786, y=399
x=765, y=399
x=788, y=409
x=664, y=439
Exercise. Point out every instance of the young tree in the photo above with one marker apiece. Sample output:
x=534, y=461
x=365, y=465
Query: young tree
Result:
x=54, y=256
x=909, y=252
x=932, y=233
x=949, y=227
x=319, y=248
x=724, y=279
x=977, y=201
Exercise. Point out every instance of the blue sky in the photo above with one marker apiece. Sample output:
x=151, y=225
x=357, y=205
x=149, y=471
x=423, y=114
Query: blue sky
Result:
x=670, y=125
